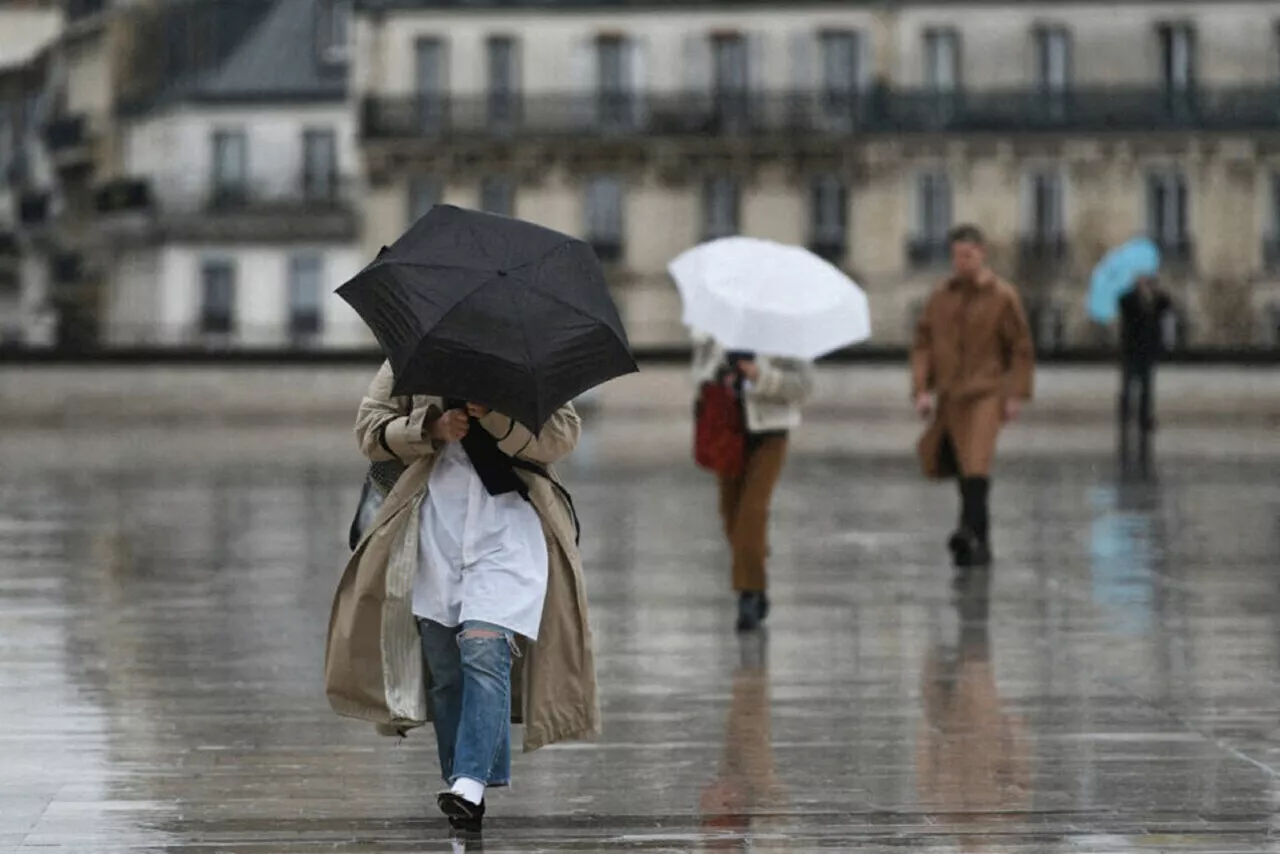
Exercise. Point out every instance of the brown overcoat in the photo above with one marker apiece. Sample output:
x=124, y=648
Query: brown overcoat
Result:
x=973, y=349
x=373, y=660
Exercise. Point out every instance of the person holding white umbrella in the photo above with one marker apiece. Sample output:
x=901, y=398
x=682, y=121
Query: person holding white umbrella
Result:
x=761, y=313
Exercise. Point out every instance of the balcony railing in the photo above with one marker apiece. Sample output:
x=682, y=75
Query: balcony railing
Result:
x=881, y=111
x=320, y=210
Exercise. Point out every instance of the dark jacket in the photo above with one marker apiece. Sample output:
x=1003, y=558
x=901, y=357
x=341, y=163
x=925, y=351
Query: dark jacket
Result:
x=1141, y=325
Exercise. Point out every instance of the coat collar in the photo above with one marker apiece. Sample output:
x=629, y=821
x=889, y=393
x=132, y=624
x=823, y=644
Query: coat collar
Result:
x=987, y=279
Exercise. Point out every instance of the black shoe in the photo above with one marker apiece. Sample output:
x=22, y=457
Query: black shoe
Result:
x=961, y=545
x=464, y=816
x=968, y=550
x=751, y=610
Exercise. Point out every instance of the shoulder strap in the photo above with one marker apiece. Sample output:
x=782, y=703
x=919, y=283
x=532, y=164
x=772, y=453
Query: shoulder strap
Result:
x=534, y=468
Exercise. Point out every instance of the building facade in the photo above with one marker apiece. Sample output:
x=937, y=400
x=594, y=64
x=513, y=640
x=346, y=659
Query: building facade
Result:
x=863, y=130
x=234, y=211
x=28, y=85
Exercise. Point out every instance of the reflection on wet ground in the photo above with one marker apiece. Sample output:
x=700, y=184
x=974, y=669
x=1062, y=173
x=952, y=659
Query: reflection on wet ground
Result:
x=1113, y=685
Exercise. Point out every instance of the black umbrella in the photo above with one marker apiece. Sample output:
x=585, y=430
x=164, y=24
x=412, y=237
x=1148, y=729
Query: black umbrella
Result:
x=493, y=310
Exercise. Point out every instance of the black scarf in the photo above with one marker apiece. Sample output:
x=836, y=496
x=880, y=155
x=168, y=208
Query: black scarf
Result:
x=496, y=470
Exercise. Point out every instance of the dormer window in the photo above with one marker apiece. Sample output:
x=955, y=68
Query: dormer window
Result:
x=333, y=31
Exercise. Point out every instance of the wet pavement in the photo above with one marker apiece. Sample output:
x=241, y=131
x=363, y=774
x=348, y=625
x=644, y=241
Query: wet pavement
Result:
x=1112, y=686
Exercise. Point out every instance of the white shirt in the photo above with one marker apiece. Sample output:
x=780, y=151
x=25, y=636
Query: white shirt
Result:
x=480, y=556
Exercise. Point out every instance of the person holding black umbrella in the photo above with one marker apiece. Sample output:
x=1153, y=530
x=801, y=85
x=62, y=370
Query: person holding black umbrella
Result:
x=463, y=602
x=488, y=518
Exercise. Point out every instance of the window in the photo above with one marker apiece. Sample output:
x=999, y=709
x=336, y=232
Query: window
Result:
x=729, y=63
x=604, y=217
x=1177, y=57
x=7, y=142
x=614, y=79
x=1053, y=59
x=429, y=84
x=730, y=78
x=720, y=208
x=230, y=168
x=829, y=217
x=841, y=76
x=319, y=165
x=841, y=62
x=306, y=275
x=217, y=297
x=1042, y=210
x=932, y=220
x=941, y=60
x=504, y=80
x=1167, y=213
x=1271, y=243
x=1271, y=326
x=424, y=194
x=498, y=195
x=333, y=30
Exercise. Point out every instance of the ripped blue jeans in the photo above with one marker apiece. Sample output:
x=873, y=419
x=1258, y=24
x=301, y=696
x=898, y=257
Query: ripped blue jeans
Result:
x=470, y=696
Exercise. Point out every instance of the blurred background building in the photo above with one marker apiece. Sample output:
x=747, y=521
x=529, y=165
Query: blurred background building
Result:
x=219, y=166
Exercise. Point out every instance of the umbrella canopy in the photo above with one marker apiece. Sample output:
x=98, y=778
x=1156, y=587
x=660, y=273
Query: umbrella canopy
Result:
x=767, y=297
x=492, y=310
x=1115, y=274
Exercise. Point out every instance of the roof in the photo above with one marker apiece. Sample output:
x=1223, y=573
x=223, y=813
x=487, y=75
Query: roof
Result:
x=25, y=34
x=238, y=51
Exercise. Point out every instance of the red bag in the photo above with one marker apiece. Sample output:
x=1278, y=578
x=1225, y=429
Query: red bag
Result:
x=720, y=438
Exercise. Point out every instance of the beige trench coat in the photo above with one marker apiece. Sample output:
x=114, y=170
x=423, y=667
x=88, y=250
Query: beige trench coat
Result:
x=374, y=668
x=973, y=348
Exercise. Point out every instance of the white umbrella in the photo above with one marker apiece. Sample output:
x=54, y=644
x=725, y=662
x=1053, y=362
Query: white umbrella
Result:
x=767, y=297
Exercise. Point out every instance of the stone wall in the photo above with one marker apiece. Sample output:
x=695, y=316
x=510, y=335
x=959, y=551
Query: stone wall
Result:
x=121, y=395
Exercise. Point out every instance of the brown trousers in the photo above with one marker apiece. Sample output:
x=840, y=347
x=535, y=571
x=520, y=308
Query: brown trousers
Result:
x=744, y=509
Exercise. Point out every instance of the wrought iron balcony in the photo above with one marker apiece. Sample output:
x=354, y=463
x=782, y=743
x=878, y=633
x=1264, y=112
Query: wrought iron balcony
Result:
x=818, y=112
x=314, y=210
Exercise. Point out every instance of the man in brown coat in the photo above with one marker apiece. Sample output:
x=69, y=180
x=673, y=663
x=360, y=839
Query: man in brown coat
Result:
x=972, y=363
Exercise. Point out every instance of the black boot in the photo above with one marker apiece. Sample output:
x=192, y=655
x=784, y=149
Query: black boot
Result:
x=752, y=607
x=974, y=492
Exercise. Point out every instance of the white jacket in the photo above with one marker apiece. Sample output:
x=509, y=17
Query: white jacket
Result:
x=773, y=401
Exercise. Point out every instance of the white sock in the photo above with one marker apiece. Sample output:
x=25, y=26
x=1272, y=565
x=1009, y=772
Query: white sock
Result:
x=472, y=790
